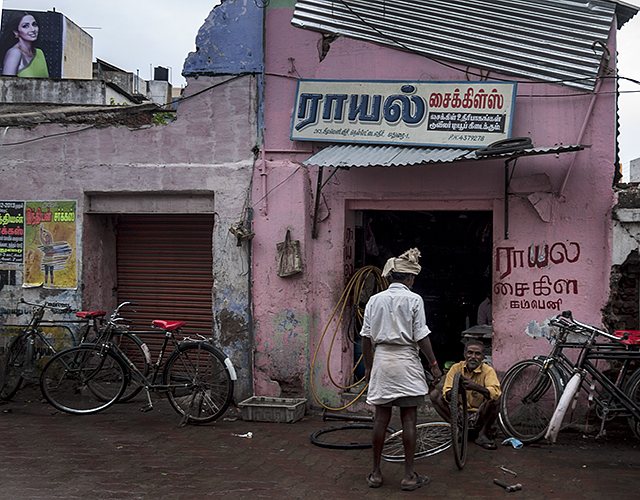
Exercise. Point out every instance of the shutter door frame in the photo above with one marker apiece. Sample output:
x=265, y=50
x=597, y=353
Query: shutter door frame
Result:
x=165, y=265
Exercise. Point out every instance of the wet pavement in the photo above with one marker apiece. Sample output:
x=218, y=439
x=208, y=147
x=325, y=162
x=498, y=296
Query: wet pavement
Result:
x=123, y=453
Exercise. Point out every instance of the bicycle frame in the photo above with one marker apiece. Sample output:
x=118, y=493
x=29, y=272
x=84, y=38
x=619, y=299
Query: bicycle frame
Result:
x=609, y=396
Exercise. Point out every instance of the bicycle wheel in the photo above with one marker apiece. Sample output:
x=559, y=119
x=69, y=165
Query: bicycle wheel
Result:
x=200, y=386
x=431, y=438
x=84, y=379
x=632, y=390
x=138, y=353
x=14, y=363
x=459, y=421
x=530, y=395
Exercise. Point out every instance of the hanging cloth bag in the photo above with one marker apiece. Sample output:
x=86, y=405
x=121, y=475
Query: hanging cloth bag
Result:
x=289, y=256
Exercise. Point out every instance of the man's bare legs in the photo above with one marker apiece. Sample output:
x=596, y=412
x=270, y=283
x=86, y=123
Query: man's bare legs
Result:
x=409, y=417
x=380, y=424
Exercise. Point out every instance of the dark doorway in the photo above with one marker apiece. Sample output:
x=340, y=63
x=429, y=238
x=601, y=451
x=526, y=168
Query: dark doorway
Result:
x=456, y=248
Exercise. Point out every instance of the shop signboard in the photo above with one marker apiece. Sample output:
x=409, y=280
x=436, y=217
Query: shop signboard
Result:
x=411, y=113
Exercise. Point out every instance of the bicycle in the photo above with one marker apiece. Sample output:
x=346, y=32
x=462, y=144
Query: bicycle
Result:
x=197, y=378
x=31, y=345
x=532, y=389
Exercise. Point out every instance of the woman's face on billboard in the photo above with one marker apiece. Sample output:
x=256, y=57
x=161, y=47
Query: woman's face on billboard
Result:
x=27, y=29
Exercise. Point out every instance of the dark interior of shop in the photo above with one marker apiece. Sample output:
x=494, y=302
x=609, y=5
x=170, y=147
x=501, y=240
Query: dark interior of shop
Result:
x=456, y=264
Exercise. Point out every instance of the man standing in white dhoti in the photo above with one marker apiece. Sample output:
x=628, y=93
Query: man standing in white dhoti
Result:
x=395, y=324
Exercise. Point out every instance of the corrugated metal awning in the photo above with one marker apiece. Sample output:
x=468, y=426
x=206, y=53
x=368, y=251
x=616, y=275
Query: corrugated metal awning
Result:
x=346, y=156
x=547, y=40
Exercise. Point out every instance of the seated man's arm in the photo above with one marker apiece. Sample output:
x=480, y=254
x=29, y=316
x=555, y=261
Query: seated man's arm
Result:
x=490, y=389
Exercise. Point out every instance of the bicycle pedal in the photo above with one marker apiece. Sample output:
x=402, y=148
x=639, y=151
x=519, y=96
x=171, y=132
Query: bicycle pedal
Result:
x=146, y=408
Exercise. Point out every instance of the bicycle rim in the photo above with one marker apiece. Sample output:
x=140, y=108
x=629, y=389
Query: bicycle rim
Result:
x=133, y=347
x=529, y=397
x=200, y=387
x=459, y=422
x=15, y=362
x=633, y=392
x=431, y=438
x=83, y=380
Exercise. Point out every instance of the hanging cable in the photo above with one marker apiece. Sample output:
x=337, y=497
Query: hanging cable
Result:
x=364, y=283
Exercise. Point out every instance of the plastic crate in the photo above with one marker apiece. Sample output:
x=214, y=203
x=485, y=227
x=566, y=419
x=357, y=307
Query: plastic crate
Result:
x=264, y=409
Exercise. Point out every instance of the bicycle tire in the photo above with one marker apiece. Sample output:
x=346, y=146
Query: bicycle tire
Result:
x=431, y=438
x=341, y=445
x=14, y=363
x=459, y=421
x=530, y=395
x=138, y=353
x=72, y=379
x=632, y=390
x=505, y=146
x=206, y=386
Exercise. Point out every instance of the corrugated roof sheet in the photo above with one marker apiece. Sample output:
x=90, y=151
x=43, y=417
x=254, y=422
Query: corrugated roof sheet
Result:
x=548, y=40
x=347, y=156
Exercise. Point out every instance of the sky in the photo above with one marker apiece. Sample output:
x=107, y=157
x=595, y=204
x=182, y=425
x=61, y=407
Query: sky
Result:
x=141, y=34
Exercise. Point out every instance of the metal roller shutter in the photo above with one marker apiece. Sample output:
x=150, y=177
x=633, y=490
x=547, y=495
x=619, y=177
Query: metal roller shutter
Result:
x=165, y=265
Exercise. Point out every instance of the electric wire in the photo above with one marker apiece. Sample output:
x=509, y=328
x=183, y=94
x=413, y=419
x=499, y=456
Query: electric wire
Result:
x=358, y=288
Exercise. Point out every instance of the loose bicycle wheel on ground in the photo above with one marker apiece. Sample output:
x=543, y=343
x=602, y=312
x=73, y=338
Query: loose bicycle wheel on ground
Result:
x=15, y=362
x=200, y=386
x=431, y=438
x=84, y=379
x=459, y=421
x=530, y=395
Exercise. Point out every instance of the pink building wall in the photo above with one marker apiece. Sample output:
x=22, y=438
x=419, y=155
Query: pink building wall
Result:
x=291, y=313
x=200, y=163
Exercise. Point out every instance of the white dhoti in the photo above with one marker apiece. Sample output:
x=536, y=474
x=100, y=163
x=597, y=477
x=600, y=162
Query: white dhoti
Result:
x=396, y=372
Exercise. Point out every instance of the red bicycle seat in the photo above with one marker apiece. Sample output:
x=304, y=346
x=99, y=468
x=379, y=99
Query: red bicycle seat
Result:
x=633, y=336
x=90, y=314
x=168, y=326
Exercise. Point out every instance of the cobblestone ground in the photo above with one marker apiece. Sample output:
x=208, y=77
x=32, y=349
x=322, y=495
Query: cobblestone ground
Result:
x=123, y=453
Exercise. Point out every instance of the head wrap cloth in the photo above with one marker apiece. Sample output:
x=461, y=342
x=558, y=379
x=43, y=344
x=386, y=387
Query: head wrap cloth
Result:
x=407, y=263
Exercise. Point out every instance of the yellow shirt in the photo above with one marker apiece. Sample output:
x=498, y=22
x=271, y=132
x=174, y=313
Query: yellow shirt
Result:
x=484, y=375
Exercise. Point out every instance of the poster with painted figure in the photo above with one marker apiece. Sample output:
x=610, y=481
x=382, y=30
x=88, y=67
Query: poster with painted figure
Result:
x=11, y=232
x=50, y=244
x=32, y=44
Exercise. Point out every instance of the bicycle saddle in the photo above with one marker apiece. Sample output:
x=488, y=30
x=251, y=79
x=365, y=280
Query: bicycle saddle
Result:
x=90, y=314
x=168, y=326
x=629, y=337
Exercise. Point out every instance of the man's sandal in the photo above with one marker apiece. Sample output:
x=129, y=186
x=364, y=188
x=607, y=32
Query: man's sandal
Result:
x=420, y=482
x=372, y=483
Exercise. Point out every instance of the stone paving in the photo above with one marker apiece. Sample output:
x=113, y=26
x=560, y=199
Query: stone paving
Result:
x=123, y=453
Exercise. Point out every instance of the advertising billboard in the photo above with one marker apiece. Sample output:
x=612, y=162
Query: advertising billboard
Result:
x=31, y=44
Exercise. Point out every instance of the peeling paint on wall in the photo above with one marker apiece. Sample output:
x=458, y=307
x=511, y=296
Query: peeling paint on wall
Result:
x=229, y=42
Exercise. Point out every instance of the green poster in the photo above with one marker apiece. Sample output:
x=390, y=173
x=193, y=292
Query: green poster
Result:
x=50, y=244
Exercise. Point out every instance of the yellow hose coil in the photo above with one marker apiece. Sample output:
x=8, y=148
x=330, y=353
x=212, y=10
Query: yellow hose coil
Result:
x=353, y=290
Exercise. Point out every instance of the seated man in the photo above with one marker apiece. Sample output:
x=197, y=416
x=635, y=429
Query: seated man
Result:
x=483, y=390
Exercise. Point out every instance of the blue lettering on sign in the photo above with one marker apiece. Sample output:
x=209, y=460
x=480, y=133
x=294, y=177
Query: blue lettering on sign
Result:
x=362, y=108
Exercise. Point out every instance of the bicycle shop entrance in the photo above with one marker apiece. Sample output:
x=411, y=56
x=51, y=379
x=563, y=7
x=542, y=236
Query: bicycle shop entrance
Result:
x=456, y=248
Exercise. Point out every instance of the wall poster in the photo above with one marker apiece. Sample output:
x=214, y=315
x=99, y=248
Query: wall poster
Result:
x=11, y=232
x=50, y=244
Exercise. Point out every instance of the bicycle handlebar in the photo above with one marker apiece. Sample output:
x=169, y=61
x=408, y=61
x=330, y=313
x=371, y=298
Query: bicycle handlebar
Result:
x=566, y=320
x=60, y=309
